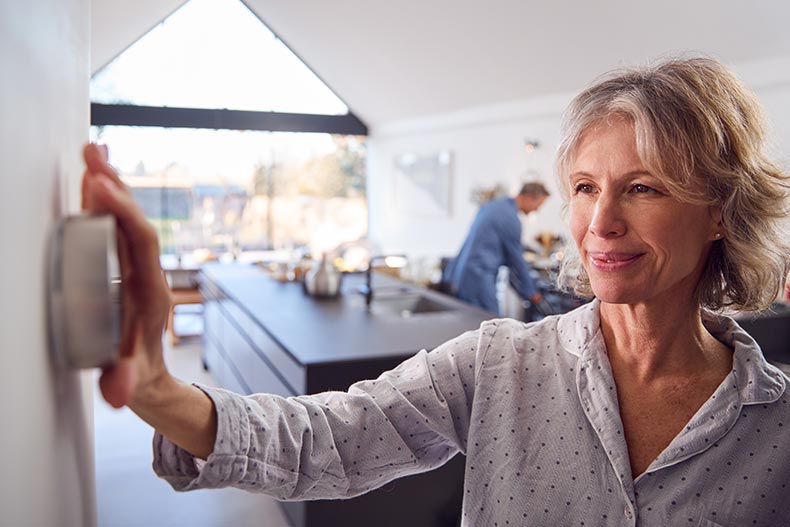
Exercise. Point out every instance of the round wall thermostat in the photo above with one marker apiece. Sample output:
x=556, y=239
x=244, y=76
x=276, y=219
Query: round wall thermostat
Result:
x=84, y=292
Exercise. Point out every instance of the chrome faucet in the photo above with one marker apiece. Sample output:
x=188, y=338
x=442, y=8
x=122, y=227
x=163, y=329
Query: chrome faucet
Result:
x=392, y=260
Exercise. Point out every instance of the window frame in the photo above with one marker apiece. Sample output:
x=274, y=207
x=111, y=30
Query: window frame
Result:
x=213, y=119
x=222, y=119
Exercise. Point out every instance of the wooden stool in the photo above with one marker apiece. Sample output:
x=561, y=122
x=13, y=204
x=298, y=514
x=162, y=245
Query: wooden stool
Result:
x=180, y=296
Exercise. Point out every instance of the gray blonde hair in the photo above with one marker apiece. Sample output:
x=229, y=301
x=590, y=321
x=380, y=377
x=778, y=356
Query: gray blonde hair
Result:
x=703, y=134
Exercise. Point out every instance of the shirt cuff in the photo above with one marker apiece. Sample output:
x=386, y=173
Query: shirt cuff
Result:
x=227, y=464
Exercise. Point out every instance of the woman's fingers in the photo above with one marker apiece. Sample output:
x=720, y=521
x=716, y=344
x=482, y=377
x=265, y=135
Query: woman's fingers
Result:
x=127, y=301
x=145, y=296
x=140, y=237
x=117, y=382
x=96, y=161
x=95, y=157
x=86, y=201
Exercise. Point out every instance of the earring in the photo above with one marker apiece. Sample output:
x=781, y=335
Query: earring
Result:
x=718, y=235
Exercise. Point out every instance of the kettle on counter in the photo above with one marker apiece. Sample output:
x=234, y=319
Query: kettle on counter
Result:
x=323, y=280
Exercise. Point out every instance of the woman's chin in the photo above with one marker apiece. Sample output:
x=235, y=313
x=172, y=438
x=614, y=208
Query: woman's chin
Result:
x=615, y=300
x=619, y=295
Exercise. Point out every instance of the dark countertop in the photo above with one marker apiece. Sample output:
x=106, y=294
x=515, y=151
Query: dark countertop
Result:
x=316, y=331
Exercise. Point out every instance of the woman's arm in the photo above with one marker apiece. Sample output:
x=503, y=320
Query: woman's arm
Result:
x=180, y=412
x=337, y=444
x=409, y=420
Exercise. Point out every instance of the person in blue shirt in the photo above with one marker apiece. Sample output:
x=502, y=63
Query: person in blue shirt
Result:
x=494, y=240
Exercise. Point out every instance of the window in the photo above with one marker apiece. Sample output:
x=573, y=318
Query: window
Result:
x=213, y=54
x=224, y=192
x=214, y=190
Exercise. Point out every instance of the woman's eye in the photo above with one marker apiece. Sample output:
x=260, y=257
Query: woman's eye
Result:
x=584, y=188
x=642, y=189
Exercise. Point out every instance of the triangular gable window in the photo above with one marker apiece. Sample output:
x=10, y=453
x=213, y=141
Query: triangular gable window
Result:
x=214, y=56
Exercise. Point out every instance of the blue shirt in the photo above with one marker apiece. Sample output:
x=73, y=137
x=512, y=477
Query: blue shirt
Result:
x=494, y=240
x=534, y=409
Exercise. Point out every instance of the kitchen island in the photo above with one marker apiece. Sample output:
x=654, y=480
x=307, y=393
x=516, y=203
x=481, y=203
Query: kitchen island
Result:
x=262, y=335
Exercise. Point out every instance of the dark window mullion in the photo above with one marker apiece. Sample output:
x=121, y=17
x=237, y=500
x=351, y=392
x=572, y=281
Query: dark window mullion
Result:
x=165, y=117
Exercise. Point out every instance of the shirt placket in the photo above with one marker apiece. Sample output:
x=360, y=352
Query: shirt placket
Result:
x=598, y=396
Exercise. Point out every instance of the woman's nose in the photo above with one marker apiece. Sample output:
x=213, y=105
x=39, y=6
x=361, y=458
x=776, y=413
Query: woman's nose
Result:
x=607, y=220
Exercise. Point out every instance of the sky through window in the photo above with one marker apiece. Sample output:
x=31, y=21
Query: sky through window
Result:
x=213, y=54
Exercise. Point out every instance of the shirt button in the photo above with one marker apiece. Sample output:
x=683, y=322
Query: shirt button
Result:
x=627, y=513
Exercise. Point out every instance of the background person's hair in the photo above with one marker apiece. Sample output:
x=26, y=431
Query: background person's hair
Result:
x=533, y=188
x=702, y=133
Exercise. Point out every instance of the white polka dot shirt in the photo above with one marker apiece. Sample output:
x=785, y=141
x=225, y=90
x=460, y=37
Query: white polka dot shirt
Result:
x=534, y=409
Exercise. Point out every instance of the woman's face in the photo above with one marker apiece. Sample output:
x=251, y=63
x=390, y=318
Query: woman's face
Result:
x=636, y=242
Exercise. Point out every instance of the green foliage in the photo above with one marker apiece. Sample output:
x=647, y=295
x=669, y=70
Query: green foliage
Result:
x=337, y=174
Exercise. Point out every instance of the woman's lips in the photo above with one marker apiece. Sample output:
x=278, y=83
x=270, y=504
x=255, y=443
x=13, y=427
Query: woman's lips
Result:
x=613, y=261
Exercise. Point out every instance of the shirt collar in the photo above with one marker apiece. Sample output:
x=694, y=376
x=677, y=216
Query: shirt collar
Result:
x=577, y=328
x=757, y=380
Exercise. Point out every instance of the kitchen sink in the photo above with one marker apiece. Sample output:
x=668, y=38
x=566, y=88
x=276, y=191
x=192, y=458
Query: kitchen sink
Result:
x=407, y=305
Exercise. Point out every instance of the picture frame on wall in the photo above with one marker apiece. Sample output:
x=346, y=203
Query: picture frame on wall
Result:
x=423, y=183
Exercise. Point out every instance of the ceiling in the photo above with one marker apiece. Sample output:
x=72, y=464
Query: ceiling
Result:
x=397, y=60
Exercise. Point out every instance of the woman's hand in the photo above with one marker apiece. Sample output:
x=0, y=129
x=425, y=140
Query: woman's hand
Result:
x=181, y=412
x=141, y=371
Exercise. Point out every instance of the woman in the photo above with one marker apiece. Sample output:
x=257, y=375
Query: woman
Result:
x=643, y=406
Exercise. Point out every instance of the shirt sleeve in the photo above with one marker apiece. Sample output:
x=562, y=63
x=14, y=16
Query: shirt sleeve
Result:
x=337, y=444
x=514, y=258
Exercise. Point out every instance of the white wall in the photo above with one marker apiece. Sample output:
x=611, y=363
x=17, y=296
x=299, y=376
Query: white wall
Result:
x=46, y=440
x=770, y=80
x=488, y=147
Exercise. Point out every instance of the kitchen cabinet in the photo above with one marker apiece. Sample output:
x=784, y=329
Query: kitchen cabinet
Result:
x=266, y=336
